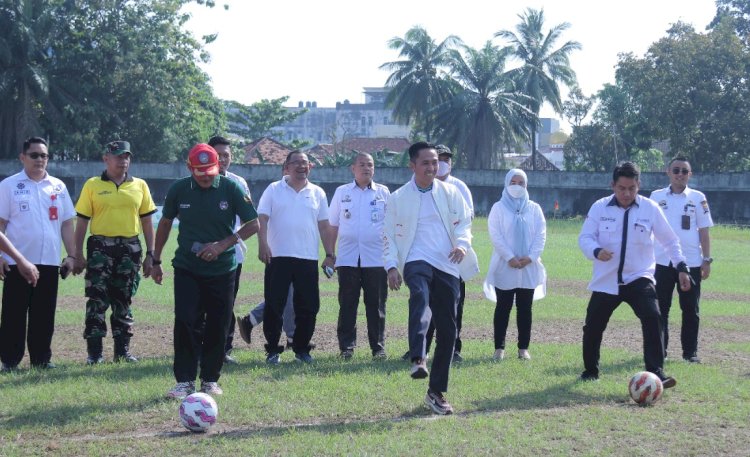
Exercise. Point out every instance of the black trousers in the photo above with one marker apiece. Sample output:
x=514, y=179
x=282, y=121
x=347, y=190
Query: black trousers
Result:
x=373, y=281
x=524, y=299
x=20, y=301
x=303, y=274
x=433, y=295
x=197, y=298
x=459, y=320
x=667, y=278
x=641, y=296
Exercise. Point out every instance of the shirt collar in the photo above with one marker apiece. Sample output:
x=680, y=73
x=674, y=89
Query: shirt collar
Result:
x=215, y=184
x=613, y=202
x=684, y=192
x=355, y=185
x=128, y=178
x=24, y=176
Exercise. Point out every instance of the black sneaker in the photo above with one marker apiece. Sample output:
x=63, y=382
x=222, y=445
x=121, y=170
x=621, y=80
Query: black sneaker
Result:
x=437, y=403
x=4, y=368
x=589, y=376
x=379, y=355
x=44, y=366
x=246, y=328
x=692, y=359
x=273, y=359
x=457, y=357
x=303, y=357
x=668, y=382
x=229, y=360
x=419, y=369
x=347, y=354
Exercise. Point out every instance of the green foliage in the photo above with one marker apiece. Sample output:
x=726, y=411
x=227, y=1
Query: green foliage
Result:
x=577, y=106
x=543, y=66
x=691, y=88
x=113, y=70
x=420, y=81
x=259, y=119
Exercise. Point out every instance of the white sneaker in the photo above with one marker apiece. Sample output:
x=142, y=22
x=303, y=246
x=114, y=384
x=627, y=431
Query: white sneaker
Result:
x=499, y=355
x=523, y=354
x=211, y=388
x=181, y=390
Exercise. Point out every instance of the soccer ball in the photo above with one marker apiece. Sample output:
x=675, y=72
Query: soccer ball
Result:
x=645, y=388
x=198, y=412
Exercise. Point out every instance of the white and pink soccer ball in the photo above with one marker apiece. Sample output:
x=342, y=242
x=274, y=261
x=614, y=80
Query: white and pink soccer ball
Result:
x=198, y=412
x=645, y=388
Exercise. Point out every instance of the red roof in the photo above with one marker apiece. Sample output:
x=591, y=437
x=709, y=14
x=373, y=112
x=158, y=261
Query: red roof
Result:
x=266, y=151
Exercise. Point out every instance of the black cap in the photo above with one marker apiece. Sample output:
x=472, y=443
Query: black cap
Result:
x=118, y=147
x=443, y=150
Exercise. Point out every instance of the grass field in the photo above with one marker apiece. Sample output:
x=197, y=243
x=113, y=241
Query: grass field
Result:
x=361, y=407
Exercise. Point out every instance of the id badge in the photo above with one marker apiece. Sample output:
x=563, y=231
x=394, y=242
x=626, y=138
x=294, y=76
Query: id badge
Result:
x=53, y=213
x=685, y=222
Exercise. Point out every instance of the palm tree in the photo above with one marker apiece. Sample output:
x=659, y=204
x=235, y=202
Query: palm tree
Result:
x=543, y=66
x=23, y=79
x=487, y=112
x=419, y=81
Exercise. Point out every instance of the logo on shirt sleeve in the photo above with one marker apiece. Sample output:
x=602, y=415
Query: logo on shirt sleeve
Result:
x=704, y=205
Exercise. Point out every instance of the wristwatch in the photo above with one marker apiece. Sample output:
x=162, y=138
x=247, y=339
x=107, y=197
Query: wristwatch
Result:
x=709, y=260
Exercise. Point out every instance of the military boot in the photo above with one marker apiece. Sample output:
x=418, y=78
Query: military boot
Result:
x=122, y=349
x=94, y=348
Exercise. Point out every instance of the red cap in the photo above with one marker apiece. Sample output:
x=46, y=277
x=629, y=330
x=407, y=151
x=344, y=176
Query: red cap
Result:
x=203, y=160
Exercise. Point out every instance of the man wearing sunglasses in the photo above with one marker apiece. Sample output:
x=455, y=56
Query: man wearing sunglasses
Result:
x=35, y=211
x=687, y=211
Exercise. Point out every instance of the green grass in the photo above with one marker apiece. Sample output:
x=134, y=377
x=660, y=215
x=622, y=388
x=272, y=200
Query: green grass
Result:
x=365, y=408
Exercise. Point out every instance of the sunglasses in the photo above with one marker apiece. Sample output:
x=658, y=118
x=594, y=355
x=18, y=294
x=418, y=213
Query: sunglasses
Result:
x=37, y=155
x=676, y=171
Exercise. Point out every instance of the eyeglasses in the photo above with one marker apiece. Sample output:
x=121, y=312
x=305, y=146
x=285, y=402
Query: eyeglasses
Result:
x=37, y=155
x=676, y=171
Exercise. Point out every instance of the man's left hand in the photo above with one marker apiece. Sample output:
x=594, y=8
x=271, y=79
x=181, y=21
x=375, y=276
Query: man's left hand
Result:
x=457, y=255
x=705, y=270
x=685, y=282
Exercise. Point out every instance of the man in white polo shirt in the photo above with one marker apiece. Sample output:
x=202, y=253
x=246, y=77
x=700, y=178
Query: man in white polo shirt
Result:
x=618, y=236
x=35, y=211
x=356, y=215
x=427, y=238
x=293, y=214
x=687, y=211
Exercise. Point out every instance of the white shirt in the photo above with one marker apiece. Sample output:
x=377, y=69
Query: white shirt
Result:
x=465, y=192
x=431, y=242
x=603, y=229
x=241, y=248
x=693, y=204
x=293, y=218
x=500, y=224
x=359, y=214
x=25, y=204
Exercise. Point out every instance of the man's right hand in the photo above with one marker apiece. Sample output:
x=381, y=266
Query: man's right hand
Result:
x=80, y=264
x=604, y=255
x=394, y=279
x=264, y=253
x=157, y=274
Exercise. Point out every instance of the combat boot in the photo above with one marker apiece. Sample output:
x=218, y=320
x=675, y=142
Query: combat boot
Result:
x=94, y=348
x=122, y=349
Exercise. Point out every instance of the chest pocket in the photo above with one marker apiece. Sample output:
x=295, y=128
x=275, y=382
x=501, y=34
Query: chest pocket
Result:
x=607, y=232
x=641, y=232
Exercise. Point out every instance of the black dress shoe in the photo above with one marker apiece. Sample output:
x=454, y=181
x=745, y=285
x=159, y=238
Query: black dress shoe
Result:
x=588, y=376
x=692, y=359
x=44, y=366
x=4, y=368
x=668, y=382
x=228, y=359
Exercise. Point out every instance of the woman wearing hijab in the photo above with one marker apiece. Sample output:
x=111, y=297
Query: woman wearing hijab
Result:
x=518, y=232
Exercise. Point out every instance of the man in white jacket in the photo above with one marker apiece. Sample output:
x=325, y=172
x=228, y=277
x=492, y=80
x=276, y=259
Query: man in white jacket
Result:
x=428, y=240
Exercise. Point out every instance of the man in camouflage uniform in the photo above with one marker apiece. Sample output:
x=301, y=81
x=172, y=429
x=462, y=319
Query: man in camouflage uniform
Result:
x=119, y=207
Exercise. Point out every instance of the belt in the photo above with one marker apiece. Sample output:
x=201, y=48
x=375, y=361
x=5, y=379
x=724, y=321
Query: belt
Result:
x=116, y=239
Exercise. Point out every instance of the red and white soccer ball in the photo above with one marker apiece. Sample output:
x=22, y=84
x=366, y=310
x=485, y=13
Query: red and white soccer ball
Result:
x=645, y=388
x=198, y=412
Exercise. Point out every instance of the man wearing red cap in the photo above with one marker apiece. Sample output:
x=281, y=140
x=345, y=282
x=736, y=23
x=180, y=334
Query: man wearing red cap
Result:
x=207, y=205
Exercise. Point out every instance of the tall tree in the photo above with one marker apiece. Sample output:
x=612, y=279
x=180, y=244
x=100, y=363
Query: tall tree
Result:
x=577, y=106
x=691, y=88
x=419, y=81
x=543, y=66
x=259, y=119
x=738, y=13
x=486, y=113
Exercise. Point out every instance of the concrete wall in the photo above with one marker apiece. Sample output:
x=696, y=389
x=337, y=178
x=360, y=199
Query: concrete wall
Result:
x=728, y=193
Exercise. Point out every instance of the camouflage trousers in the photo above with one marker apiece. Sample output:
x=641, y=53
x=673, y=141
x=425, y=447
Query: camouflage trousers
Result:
x=111, y=281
